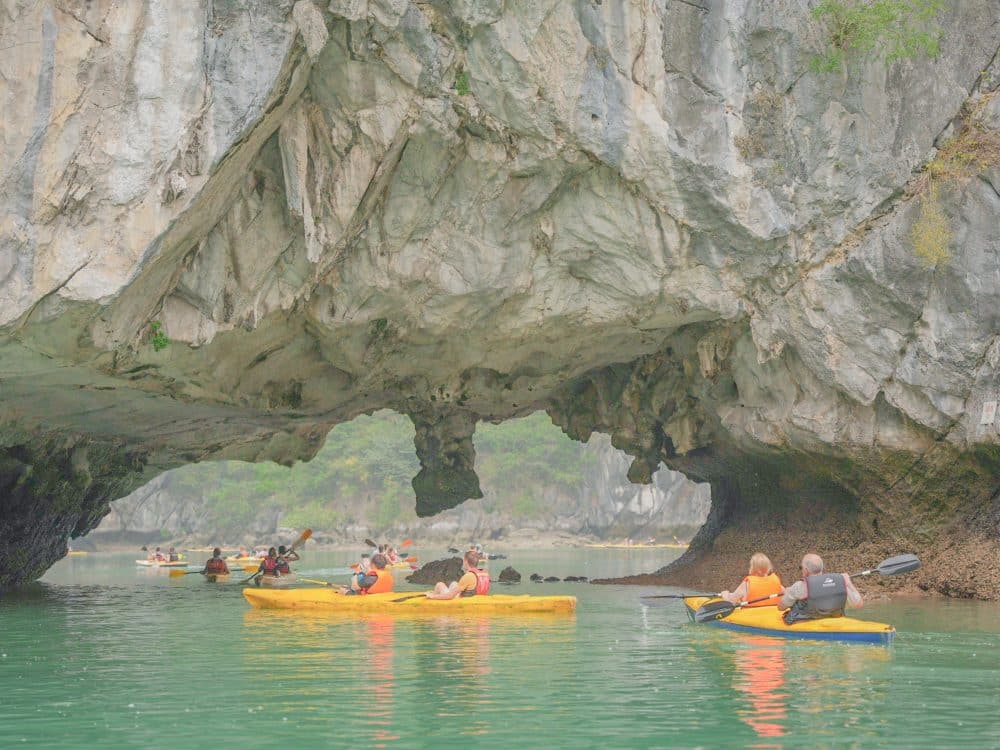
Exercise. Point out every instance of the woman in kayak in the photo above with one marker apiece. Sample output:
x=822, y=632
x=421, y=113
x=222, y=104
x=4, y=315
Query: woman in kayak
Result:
x=216, y=566
x=760, y=582
x=474, y=581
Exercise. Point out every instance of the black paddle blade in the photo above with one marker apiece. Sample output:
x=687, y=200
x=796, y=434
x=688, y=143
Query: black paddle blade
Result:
x=898, y=564
x=713, y=611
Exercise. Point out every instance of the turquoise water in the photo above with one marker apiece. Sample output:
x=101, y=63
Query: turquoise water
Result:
x=101, y=654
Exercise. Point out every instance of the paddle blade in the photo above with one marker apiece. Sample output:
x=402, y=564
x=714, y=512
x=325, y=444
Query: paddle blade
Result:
x=302, y=538
x=713, y=611
x=898, y=564
x=406, y=543
x=410, y=559
x=177, y=573
x=370, y=543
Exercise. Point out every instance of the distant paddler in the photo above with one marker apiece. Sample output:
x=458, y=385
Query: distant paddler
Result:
x=285, y=556
x=269, y=565
x=216, y=565
x=475, y=581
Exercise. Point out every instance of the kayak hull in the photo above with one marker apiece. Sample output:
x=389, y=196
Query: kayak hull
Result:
x=327, y=599
x=217, y=577
x=154, y=564
x=767, y=621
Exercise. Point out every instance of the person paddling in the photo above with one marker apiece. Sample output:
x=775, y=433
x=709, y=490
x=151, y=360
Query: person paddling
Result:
x=474, y=581
x=216, y=565
x=818, y=594
x=760, y=582
x=285, y=557
x=173, y=556
x=269, y=565
x=377, y=580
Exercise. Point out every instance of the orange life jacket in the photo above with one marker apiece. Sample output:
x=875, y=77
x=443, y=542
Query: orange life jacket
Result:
x=482, y=580
x=381, y=586
x=760, y=586
x=216, y=565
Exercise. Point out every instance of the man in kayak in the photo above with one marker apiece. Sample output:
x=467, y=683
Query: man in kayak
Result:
x=285, y=557
x=474, y=581
x=760, y=582
x=818, y=594
x=173, y=556
x=157, y=556
x=216, y=566
x=377, y=580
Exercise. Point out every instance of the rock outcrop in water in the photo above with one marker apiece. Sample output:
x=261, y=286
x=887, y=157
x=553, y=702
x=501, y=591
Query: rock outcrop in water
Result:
x=230, y=224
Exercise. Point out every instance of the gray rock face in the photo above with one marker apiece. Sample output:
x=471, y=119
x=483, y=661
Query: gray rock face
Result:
x=651, y=220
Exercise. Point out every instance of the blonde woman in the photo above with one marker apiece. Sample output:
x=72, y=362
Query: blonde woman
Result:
x=760, y=582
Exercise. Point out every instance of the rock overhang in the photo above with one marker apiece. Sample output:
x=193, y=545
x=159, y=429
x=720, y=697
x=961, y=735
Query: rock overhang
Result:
x=468, y=214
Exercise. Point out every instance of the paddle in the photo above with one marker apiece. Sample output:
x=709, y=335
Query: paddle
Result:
x=889, y=567
x=407, y=598
x=318, y=582
x=371, y=544
x=406, y=543
x=176, y=572
x=675, y=596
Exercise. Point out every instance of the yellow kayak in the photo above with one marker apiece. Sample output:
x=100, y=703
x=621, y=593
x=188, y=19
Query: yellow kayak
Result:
x=326, y=598
x=162, y=563
x=767, y=621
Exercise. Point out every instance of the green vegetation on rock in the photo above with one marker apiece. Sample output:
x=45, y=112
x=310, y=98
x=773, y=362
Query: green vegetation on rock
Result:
x=462, y=83
x=899, y=29
x=158, y=338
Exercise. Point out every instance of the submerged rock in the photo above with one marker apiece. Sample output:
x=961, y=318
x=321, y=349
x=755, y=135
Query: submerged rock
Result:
x=509, y=575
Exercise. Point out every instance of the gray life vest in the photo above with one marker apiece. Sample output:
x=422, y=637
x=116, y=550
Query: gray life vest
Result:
x=826, y=597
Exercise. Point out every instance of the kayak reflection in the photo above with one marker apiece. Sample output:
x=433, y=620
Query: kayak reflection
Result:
x=760, y=677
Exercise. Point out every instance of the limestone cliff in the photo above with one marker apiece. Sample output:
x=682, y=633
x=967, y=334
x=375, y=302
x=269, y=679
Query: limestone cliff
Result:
x=226, y=225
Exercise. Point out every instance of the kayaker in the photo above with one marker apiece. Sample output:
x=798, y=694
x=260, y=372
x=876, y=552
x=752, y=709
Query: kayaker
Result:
x=818, y=594
x=760, y=582
x=285, y=557
x=157, y=556
x=393, y=556
x=242, y=553
x=377, y=580
x=269, y=565
x=173, y=556
x=216, y=566
x=474, y=581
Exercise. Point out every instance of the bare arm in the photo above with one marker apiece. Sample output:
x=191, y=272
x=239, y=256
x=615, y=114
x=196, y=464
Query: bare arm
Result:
x=854, y=598
x=736, y=596
x=449, y=593
x=792, y=594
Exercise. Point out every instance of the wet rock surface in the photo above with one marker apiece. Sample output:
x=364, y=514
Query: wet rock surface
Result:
x=447, y=570
x=469, y=213
x=509, y=575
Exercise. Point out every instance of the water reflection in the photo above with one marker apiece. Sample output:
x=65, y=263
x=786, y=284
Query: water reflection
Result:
x=760, y=677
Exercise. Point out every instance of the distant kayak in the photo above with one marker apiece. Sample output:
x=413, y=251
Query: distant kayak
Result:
x=330, y=600
x=767, y=621
x=76, y=552
x=162, y=564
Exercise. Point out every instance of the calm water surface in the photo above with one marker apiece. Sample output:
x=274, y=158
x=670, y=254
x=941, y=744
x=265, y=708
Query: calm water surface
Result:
x=104, y=655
